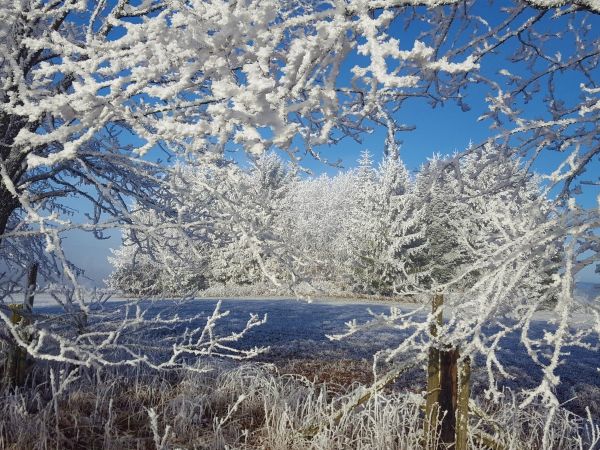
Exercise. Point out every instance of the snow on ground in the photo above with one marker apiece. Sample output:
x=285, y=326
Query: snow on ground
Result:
x=296, y=330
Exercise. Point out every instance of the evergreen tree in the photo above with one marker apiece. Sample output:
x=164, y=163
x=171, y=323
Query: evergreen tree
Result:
x=470, y=213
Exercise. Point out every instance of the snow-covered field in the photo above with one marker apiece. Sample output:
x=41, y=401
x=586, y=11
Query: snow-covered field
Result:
x=306, y=380
x=296, y=330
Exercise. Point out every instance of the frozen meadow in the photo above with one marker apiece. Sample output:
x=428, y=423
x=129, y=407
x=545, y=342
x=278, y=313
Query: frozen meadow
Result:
x=297, y=331
x=289, y=397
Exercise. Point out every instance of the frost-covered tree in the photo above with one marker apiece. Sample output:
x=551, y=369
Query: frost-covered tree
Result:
x=399, y=232
x=345, y=224
x=191, y=75
x=168, y=251
x=363, y=226
x=79, y=79
x=317, y=221
x=252, y=249
x=167, y=262
x=491, y=244
x=468, y=218
x=222, y=225
x=382, y=225
x=443, y=219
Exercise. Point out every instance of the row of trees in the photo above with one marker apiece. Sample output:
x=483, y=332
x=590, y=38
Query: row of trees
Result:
x=89, y=89
x=369, y=230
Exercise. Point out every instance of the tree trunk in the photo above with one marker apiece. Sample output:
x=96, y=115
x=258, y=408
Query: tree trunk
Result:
x=8, y=205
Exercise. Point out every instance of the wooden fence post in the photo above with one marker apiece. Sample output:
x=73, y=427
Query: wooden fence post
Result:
x=430, y=428
x=16, y=365
x=462, y=410
x=448, y=395
x=447, y=400
x=11, y=364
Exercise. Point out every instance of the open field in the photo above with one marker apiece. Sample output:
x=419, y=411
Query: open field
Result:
x=287, y=398
x=296, y=333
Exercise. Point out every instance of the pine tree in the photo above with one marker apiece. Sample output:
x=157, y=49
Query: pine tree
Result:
x=364, y=226
x=252, y=248
x=471, y=213
x=402, y=237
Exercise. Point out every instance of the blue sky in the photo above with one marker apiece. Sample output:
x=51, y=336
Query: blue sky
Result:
x=444, y=129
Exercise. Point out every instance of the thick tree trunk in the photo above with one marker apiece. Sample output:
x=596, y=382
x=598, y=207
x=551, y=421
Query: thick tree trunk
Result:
x=5, y=207
x=13, y=158
x=8, y=205
x=15, y=362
